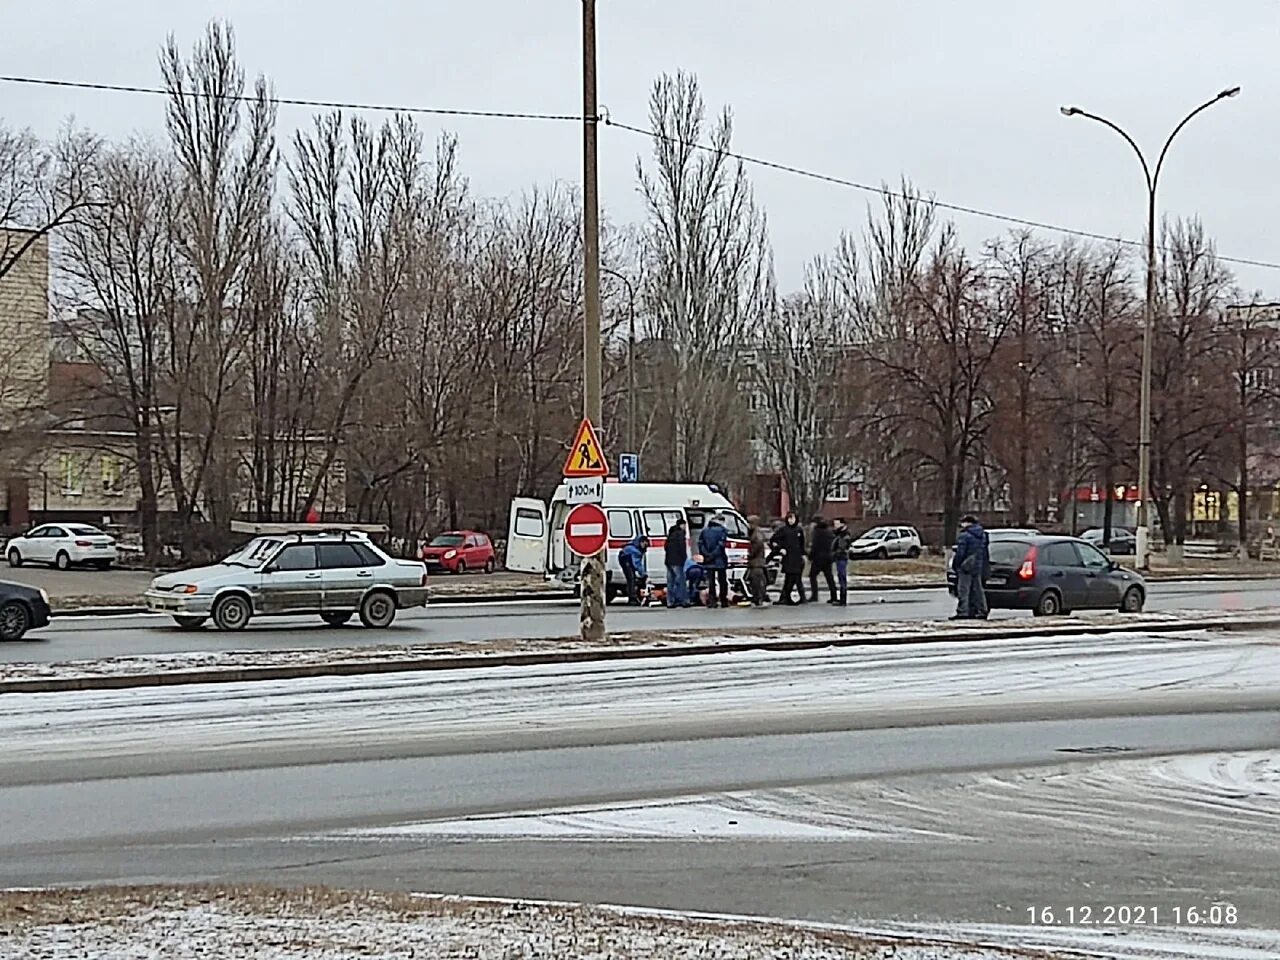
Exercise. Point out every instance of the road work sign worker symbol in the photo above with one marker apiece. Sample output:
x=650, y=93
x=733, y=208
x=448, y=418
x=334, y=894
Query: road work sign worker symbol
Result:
x=586, y=458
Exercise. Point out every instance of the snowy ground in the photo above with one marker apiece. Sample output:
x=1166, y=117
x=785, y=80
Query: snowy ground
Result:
x=415, y=656
x=321, y=924
x=329, y=925
x=886, y=684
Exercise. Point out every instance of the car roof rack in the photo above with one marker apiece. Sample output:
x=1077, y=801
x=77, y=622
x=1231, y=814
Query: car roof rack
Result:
x=301, y=529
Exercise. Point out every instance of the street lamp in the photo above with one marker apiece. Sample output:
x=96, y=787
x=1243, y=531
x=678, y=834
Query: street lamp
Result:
x=1142, y=552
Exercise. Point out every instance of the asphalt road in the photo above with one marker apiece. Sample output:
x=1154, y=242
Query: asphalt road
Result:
x=73, y=638
x=951, y=783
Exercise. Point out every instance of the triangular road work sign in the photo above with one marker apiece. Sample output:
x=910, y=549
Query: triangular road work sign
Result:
x=586, y=459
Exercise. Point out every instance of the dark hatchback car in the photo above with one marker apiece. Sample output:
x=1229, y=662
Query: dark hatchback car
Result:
x=1052, y=575
x=22, y=608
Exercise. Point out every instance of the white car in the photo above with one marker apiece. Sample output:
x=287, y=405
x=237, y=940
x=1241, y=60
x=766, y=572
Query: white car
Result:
x=63, y=545
x=881, y=543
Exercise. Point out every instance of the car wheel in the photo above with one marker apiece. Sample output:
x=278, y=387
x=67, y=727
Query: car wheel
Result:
x=1133, y=601
x=62, y=561
x=377, y=610
x=15, y=558
x=189, y=623
x=461, y=568
x=232, y=613
x=881, y=554
x=336, y=618
x=490, y=565
x=15, y=620
x=914, y=553
x=1049, y=604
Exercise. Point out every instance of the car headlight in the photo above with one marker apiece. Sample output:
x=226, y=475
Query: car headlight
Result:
x=186, y=588
x=450, y=554
x=44, y=595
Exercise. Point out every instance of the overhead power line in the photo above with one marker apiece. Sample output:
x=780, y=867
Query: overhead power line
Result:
x=898, y=195
x=642, y=131
x=294, y=102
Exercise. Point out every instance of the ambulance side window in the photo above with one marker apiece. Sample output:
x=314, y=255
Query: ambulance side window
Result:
x=658, y=522
x=621, y=525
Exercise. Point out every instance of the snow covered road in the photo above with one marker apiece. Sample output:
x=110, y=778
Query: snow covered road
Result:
x=99, y=732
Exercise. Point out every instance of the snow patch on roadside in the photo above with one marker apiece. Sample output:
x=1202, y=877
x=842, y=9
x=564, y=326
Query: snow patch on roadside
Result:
x=794, y=814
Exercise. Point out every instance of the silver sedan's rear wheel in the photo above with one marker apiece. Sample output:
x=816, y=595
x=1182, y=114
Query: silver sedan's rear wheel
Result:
x=377, y=610
x=232, y=613
x=189, y=623
x=15, y=558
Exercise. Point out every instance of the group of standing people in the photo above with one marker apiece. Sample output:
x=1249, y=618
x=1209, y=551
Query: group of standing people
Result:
x=826, y=554
x=827, y=557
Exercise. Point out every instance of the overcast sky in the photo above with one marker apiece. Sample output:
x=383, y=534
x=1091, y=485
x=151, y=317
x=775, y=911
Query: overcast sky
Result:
x=962, y=98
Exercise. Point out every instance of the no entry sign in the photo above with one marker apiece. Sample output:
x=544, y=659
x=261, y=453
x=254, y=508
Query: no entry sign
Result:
x=586, y=530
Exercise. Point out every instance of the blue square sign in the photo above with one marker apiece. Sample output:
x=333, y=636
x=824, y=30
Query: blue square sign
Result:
x=629, y=468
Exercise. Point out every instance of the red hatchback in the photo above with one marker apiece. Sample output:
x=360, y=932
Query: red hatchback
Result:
x=459, y=551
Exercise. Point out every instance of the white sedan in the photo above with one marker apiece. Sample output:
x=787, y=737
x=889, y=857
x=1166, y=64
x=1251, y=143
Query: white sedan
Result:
x=63, y=545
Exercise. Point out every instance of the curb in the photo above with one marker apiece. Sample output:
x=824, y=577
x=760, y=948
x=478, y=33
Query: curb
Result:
x=589, y=655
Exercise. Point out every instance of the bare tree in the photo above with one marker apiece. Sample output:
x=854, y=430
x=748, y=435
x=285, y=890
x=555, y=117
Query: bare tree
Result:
x=1189, y=391
x=708, y=282
x=119, y=293
x=225, y=158
x=42, y=188
x=807, y=387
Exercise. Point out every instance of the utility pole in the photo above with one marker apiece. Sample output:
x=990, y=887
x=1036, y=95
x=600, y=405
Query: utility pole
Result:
x=591, y=612
x=1142, y=553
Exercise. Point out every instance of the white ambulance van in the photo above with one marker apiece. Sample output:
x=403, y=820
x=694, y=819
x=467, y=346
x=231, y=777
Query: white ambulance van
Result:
x=535, y=536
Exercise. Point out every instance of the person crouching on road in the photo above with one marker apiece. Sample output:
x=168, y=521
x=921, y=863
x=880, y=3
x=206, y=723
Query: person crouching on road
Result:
x=757, y=565
x=676, y=550
x=693, y=577
x=713, y=544
x=788, y=542
x=841, y=540
x=971, y=563
x=633, y=561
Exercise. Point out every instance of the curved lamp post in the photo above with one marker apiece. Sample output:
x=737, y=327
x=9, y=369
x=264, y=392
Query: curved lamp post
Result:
x=1142, y=557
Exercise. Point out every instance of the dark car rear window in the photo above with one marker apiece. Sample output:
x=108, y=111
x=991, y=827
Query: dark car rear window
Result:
x=1008, y=551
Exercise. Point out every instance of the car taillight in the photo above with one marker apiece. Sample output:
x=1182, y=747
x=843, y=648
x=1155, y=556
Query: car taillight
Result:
x=424, y=578
x=1028, y=570
x=84, y=543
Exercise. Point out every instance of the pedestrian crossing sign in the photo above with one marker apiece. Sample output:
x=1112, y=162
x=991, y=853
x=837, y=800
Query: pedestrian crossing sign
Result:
x=586, y=458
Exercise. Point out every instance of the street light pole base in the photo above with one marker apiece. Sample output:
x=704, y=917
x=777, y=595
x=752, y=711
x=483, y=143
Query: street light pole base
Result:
x=591, y=612
x=1142, y=550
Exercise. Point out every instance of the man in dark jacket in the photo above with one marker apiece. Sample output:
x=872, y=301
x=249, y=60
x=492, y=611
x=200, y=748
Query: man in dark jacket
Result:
x=820, y=558
x=633, y=561
x=713, y=545
x=841, y=540
x=677, y=552
x=757, y=564
x=971, y=563
x=788, y=541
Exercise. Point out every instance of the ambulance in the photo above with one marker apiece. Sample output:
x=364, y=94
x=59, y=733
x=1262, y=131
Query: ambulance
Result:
x=535, y=535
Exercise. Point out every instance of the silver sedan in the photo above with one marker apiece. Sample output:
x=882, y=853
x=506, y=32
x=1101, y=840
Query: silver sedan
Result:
x=335, y=575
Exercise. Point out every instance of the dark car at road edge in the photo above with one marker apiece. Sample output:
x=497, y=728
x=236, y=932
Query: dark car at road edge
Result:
x=22, y=608
x=1051, y=575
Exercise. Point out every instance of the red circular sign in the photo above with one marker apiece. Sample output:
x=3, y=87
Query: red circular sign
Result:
x=586, y=530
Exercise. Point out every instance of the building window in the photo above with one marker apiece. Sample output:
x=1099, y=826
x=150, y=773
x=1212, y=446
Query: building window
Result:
x=111, y=474
x=71, y=472
x=839, y=492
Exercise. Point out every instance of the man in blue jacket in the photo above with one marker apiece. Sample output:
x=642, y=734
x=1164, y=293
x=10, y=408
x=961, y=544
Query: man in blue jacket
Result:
x=633, y=559
x=713, y=545
x=971, y=563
